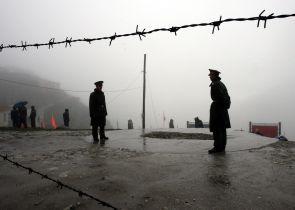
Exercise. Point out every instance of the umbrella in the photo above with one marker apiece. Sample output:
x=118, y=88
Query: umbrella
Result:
x=20, y=104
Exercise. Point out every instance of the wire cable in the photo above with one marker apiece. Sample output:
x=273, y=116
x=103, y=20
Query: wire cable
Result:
x=127, y=88
x=152, y=103
x=66, y=90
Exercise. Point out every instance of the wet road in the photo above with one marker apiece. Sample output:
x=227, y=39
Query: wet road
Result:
x=132, y=172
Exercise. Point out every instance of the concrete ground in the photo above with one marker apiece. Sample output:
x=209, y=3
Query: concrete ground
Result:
x=134, y=172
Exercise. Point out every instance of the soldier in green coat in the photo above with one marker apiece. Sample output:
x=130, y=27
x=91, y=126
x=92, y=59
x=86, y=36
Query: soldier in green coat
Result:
x=219, y=118
x=98, y=113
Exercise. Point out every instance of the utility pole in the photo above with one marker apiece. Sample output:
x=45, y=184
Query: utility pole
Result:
x=143, y=103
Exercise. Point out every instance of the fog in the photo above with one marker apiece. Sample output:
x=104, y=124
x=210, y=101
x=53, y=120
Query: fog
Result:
x=256, y=64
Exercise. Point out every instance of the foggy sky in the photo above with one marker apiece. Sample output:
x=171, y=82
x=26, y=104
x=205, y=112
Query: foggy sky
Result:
x=256, y=64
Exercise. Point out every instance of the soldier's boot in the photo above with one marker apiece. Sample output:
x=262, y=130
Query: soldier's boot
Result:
x=216, y=150
x=102, y=141
x=102, y=135
x=95, y=140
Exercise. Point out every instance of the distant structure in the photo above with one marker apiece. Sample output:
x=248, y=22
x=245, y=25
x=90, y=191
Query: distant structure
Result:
x=271, y=130
x=130, y=124
x=198, y=123
x=5, y=120
x=171, y=123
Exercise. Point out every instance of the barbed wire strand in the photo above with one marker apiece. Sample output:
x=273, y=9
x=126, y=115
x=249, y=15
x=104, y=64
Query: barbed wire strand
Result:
x=174, y=29
x=66, y=90
x=60, y=185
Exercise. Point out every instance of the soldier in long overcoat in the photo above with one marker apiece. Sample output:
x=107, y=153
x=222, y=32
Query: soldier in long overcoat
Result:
x=219, y=118
x=14, y=114
x=23, y=116
x=66, y=118
x=33, y=117
x=98, y=112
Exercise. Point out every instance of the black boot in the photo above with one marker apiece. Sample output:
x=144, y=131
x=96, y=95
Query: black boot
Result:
x=102, y=141
x=215, y=150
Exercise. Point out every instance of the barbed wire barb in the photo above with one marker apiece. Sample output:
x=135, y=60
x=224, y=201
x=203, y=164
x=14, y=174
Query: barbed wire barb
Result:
x=16, y=164
x=140, y=33
x=68, y=42
x=37, y=45
x=174, y=29
x=44, y=177
x=59, y=184
x=5, y=157
x=88, y=40
x=1, y=47
x=51, y=43
x=264, y=18
x=216, y=24
x=11, y=46
x=24, y=45
x=112, y=38
x=30, y=170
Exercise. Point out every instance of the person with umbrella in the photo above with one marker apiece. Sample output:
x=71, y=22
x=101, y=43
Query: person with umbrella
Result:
x=22, y=113
x=14, y=115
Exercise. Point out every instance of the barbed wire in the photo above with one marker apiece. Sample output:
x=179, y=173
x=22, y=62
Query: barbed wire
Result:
x=66, y=90
x=174, y=29
x=60, y=185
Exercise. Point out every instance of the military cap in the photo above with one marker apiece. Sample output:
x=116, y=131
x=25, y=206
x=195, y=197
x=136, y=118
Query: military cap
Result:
x=213, y=71
x=98, y=83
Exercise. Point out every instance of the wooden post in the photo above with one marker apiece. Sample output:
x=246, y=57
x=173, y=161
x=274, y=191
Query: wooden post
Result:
x=143, y=103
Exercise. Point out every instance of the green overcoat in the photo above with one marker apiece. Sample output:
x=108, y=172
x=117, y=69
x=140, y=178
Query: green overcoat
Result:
x=219, y=118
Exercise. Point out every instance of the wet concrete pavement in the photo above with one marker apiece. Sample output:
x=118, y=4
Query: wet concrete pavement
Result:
x=132, y=172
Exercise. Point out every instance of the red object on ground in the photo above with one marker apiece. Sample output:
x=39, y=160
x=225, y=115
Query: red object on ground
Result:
x=53, y=122
x=271, y=130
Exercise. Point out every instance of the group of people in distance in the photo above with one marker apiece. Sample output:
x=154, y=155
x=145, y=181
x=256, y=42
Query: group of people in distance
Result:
x=218, y=123
x=19, y=116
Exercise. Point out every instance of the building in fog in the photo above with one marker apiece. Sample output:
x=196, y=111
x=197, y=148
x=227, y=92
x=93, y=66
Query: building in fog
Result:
x=197, y=124
x=5, y=120
x=130, y=124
